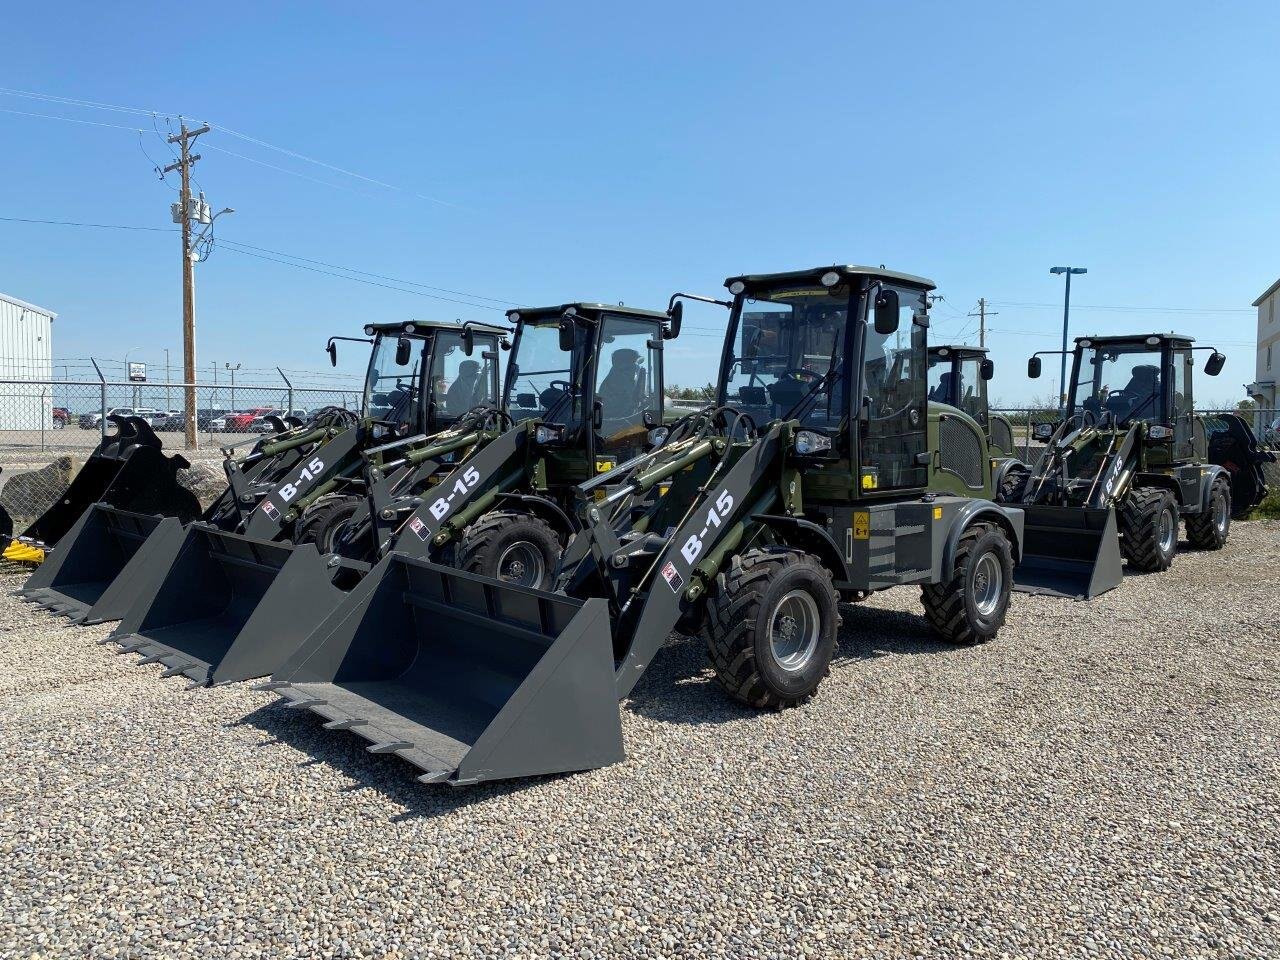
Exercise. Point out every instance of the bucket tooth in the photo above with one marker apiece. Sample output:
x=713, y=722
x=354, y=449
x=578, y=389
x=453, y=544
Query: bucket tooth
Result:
x=175, y=671
x=467, y=678
x=270, y=685
x=151, y=658
x=305, y=704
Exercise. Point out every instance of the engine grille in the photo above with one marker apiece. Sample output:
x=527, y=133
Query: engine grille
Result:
x=1001, y=434
x=960, y=450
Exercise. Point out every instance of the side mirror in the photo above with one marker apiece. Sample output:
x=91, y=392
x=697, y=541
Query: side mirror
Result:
x=332, y=351
x=650, y=419
x=566, y=336
x=676, y=314
x=987, y=369
x=597, y=415
x=468, y=341
x=886, y=313
x=1033, y=368
x=404, y=352
x=1213, y=366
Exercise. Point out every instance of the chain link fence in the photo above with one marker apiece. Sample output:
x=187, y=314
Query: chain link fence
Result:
x=48, y=428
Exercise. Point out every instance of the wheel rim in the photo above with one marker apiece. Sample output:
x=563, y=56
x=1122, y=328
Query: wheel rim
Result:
x=1221, y=513
x=988, y=583
x=521, y=564
x=794, y=631
x=1168, y=532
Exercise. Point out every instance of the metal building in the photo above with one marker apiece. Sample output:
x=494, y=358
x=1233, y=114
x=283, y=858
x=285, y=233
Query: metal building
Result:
x=26, y=359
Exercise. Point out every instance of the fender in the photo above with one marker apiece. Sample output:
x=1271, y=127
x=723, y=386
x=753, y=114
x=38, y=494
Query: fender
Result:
x=1003, y=465
x=810, y=537
x=545, y=508
x=1211, y=473
x=1009, y=518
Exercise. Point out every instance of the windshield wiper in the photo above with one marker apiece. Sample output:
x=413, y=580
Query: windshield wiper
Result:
x=797, y=411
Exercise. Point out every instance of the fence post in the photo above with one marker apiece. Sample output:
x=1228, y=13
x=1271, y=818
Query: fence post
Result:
x=43, y=393
x=102, y=397
x=289, y=407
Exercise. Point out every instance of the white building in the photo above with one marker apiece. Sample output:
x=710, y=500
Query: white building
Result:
x=26, y=357
x=1263, y=388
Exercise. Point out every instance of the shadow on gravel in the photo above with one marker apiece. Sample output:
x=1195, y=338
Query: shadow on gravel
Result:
x=393, y=778
x=870, y=632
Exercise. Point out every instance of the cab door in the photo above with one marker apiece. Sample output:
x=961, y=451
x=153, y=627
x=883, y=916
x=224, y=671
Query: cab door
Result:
x=893, y=419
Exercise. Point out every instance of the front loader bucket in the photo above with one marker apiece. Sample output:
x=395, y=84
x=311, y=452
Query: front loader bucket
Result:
x=1069, y=552
x=228, y=607
x=465, y=677
x=102, y=565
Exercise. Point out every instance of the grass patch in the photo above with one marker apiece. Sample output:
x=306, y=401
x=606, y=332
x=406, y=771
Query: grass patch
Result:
x=1268, y=509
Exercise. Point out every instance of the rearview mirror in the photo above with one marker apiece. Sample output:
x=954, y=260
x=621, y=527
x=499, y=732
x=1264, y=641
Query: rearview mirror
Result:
x=566, y=336
x=1213, y=366
x=597, y=415
x=1033, y=368
x=987, y=369
x=332, y=351
x=404, y=351
x=468, y=341
x=886, y=313
x=676, y=315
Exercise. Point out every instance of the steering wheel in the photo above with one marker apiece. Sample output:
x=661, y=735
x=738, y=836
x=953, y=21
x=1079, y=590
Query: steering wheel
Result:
x=555, y=390
x=801, y=373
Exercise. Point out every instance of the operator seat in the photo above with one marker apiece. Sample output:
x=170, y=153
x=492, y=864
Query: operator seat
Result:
x=461, y=394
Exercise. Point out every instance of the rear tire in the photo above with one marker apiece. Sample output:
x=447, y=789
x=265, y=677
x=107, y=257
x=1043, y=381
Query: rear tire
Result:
x=970, y=607
x=516, y=548
x=1209, y=530
x=1149, y=529
x=770, y=627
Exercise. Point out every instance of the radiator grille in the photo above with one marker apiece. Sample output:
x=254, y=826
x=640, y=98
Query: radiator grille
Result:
x=960, y=451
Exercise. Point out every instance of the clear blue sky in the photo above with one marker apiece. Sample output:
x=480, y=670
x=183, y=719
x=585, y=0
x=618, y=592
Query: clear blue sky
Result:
x=591, y=151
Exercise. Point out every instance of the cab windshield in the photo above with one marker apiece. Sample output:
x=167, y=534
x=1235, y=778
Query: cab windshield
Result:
x=958, y=383
x=1120, y=379
x=786, y=355
x=392, y=389
x=539, y=382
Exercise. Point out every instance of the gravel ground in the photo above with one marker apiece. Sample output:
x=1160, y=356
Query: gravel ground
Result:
x=1099, y=781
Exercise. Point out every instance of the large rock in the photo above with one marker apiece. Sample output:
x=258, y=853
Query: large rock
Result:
x=30, y=493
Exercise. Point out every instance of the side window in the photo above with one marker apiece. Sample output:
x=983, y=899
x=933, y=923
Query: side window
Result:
x=1181, y=412
x=973, y=390
x=460, y=382
x=627, y=371
x=895, y=401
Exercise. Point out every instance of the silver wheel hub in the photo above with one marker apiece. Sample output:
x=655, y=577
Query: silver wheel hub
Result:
x=1168, y=531
x=1221, y=513
x=794, y=631
x=521, y=564
x=988, y=584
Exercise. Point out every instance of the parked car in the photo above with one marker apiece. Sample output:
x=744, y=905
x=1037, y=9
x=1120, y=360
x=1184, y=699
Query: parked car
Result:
x=259, y=424
x=1271, y=434
x=239, y=422
x=91, y=420
x=60, y=417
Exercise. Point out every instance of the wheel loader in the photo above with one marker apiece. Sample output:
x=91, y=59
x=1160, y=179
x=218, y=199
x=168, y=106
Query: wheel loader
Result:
x=958, y=377
x=494, y=495
x=127, y=471
x=1127, y=461
x=817, y=476
x=279, y=490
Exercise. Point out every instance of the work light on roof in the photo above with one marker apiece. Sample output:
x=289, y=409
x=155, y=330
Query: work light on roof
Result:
x=410, y=327
x=514, y=316
x=737, y=287
x=368, y=329
x=1153, y=341
x=1086, y=343
x=830, y=278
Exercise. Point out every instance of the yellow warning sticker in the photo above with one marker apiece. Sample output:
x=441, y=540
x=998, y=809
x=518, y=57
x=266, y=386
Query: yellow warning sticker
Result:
x=937, y=513
x=862, y=526
x=604, y=466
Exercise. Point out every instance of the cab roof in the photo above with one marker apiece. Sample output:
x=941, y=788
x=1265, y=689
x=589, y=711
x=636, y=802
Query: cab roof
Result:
x=847, y=270
x=584, y=307
x=423, y=326
x=1138, y=338
x=963, y=350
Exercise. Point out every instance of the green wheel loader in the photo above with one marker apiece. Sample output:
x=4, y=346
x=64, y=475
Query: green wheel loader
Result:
x=816, y=477
x=1128, y=460
x=494, y=494
x=422, y=379
x=958, y=377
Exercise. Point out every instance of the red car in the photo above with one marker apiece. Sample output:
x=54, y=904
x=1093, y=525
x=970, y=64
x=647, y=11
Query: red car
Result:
x=60, y=417
x=239, y=422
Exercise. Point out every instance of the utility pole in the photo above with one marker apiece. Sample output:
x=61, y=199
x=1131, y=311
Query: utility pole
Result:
x=982, y=315
x=185, y=138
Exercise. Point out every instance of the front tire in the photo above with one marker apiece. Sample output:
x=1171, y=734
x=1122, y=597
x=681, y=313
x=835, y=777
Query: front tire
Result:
x=770, y=627
x=516, y=548
x=1209, y=530
x=970, y=607
x=324, y=520
x=1149, y=529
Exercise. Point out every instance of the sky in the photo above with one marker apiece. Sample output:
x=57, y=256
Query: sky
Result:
x=575, y=151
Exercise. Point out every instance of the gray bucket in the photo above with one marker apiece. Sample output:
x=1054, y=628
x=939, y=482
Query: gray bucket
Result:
x=1069, y=552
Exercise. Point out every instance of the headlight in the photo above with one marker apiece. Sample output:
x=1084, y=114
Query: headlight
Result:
x=1043, y=431
x=658, y=436
x=368, y=329
x=807, y=442
x=1157, y=432
x=737, y=287
x=548, y=433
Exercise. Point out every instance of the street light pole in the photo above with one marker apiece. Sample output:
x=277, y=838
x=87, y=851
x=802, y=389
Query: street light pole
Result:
x=1066, y=320
x=233, y=382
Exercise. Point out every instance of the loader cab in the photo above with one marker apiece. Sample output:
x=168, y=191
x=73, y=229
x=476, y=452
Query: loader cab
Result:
x=843, y=351
x=590, y=374
x=958, y=377
x=423, y=376
x=1149, y=378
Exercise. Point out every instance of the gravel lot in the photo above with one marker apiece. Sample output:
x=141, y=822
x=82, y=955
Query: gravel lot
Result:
x=1099, y=781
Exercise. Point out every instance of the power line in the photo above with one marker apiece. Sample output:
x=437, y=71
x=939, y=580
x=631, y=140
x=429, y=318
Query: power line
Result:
x=90, y=123
x=1121, y=308
x=99, y=226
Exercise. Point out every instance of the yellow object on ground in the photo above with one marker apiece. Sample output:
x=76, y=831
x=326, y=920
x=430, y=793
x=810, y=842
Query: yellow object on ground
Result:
x=23, y=552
